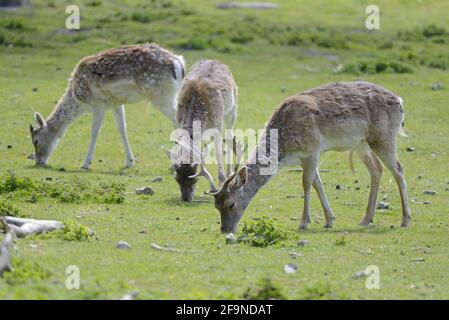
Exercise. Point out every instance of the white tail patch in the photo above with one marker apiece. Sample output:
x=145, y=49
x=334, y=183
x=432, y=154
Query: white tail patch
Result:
x=401, y=128
x=180, y=68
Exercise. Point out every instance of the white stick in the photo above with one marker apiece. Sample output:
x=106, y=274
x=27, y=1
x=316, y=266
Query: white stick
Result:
x=5, y=255
x=24, y=227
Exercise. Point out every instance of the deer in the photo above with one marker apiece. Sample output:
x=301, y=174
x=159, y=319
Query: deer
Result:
x=208, y=96
x=360, y=117
x=108, y=80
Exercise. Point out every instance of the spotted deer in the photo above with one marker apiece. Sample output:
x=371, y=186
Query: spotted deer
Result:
x=108, y=80
x=208, y=96
x=356, y=116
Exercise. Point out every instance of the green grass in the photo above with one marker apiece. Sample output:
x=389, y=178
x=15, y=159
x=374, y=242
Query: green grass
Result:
x=273, y=54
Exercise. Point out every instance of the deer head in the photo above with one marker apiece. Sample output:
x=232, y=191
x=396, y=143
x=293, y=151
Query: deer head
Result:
x=228, y=195
x=43, y=140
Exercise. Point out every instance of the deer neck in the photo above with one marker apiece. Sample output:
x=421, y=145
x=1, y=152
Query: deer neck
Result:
x=259, y=170
x=66, y=111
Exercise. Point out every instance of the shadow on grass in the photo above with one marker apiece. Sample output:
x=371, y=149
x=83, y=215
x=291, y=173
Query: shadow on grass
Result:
x=176, y=202
x=119, y=172
x=373, y=229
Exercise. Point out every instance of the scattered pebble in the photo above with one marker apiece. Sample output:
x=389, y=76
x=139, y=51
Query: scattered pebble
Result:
x=123, y=245
x=203, y=229
x=157, y=179
x=410, y=149
x=383, y=205
x=290, y=268
x=429, y=192
x=360, y=274
x=231, y=239
x=303, y=243
x=145, y=191
x=437, y=86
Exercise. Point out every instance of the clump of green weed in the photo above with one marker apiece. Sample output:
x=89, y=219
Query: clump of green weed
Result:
x=71, y=231
x=113, y=193
x=376, y=66
x=74, y=231
x=72, y=191
x=340, y=241
x=10, y=182
x=265, y=290
x=24, y=271
x=7, y=209
x=262, y=233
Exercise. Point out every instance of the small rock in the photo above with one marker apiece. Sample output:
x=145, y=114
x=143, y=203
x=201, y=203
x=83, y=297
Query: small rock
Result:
x=143, y=231
x=437, y=86
x=429, y=192
x=290, y=268
x=383, y=205
x=9, y=146
x=360, y=274
x=337, y=186
x=145, y=191
x=303, y=243
x=427, y=202
x=62, y=169
x=203, y=229
x=123, y=245
x=48, y=178
x=410, y=149
x=157, y=179
x=231, y=239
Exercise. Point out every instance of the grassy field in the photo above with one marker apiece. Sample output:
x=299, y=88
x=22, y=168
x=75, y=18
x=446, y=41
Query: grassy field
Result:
x=273, y=54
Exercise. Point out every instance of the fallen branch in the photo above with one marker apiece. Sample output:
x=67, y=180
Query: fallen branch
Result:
x=5, y=255
x=158, y=247
x=363, y=251
x=24, y=227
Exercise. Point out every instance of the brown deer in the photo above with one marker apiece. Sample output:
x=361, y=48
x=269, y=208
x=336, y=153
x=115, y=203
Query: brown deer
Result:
x=108, y=80
x=208, y=96
x=356, y=116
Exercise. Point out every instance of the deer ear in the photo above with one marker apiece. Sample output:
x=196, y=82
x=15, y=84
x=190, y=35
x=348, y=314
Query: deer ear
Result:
x=240, y=177
x=31, y=129
x=40, y=120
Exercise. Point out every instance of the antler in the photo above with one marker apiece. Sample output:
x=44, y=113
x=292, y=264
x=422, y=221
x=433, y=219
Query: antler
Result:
x=203, y=172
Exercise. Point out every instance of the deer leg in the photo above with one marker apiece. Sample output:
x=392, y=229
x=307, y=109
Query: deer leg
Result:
x=323, y=199
x=389, y=158
x=374, y=166
x=97, y=121
x=308, y=176
x=120, y=121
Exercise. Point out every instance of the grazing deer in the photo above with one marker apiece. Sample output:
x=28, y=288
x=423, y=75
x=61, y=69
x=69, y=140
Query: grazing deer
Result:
x=208, y=96
x=357, y=116
x=106, y=80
